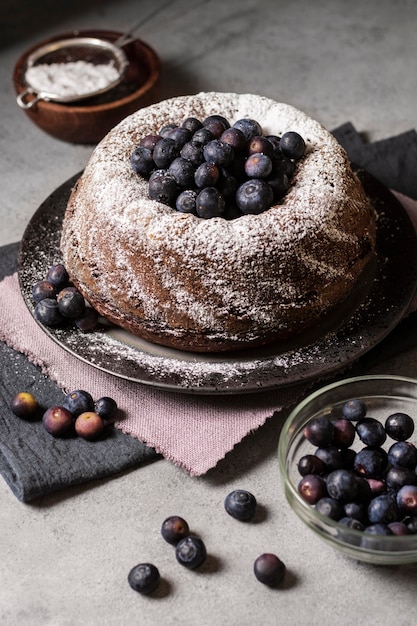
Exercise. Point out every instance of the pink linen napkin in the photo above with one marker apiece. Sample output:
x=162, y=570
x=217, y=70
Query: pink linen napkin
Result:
x=195, y=432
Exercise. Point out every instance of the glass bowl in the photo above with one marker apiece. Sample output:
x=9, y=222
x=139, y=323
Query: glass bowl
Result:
x=383, y=396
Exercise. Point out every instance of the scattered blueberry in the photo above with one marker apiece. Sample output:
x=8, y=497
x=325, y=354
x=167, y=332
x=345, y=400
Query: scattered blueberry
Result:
x=240, y=504
x=89, y=425
x=106, y=407
x=57, y=421
x=144, y=578
x=88, y=321
x=269, y=569
x=174, y=528
x=24, y=405
x=78, y=401
x=191, y=552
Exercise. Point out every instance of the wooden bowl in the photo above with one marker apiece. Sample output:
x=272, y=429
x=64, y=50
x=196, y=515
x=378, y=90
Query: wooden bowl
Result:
x=88, y=121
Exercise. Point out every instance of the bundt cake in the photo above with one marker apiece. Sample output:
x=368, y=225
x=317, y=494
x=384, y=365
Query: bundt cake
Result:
x=177, y=279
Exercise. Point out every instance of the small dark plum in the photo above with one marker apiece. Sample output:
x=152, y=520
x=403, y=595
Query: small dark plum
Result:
x=163, y=187
x=183, y=172
x=141, y=161
x=89, y=425
x=57, y=275
x=319, y=431
x=371, y=432
x=399, y=426
x=260, y=144
x=57, y=421
x=71, y=304
x=192, y=151
x=254, y=196
x=311, y=464
x=174, y=528
x=88, y=321
x=371, y=462
x=312, y=488
x=144, y=578
x=235, y=138
x=258, y=165
x=106, y=408
x=342, y=485
x=210, y=203
x=354, y=410
x=78, y=401
x=165, y=151
x=344, y=432
x=47, y=313
x=186, y=201
x=240, y=504
x=330, y=508
x=44, y=289
x=249, y=127
x=190, y=552
x=206, y=175
x=292, y=145
x=403, y=454
x=332, y=457
x=192, y=123
x=407, y=499
x=25, y=405
x=269, y=569
x=383, y=509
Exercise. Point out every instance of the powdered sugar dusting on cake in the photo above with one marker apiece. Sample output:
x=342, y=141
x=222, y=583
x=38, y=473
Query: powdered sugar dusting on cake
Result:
x=238, y=278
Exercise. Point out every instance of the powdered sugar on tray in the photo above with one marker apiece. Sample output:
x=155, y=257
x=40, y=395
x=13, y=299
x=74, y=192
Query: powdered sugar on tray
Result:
x=75, y=78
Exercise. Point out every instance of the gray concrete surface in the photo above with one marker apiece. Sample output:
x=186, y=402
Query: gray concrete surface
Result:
x=64, y=561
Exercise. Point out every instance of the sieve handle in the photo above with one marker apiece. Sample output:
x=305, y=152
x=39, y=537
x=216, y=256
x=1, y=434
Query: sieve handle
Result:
x=27, y=104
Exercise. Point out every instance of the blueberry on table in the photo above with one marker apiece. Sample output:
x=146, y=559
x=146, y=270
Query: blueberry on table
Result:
x=174, y=528
x=269, y=569
x=292, y=145
x=57, y=421
x=78, y=401
x=106, y=407
x=319, y=431
x=254, y=196
x=371, y=432
x=241, y=504
x=144, y=578
x=24, y=405
x=89, y=425
x=57, y=275
x=44, y=289
x=190, y=552
x=399, y=426
x=403, y=454
x=47, y=312
x=354, y=410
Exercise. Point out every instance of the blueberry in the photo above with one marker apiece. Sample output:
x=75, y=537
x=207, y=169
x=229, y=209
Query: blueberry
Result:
x=259, y=144
x=292, y=145
x=312, y=488
x=269, y=569
x=88, y=321
x=144, y=578
x=364, y=490
x=330, y=508
x=192, y=123
x=227, y=185
x=71, y=304
x=332, y=457
x=348, y=457
x=274, y=140
x=78, y=401
x=407, y=499
x=383, y=510
x=342, y=485
x=57, y=421
x=399, y=529
x=399, y=426
x=411, y=523
x=150, y=141
x=174, y=528
x=254, y=196
x=377, y=486
x=210, y=203
x=403, y=454
x=166, y=129
x=235, y=138
x=284, y=166
x=310, y=464
x=57, y=275
x=351, y=522
x=344, y=432
x=240, y=504
x=397, y=477
x=193, y=151
x=258, y=165
x=371, y=462
x=206, y=175
x=165, y=151
x=371, y=432
x=377, y=529
x=182, y=172
x=89, y=425
x=203, y=136
x=218, y=152
x=216, y=124
x=44, y=289
x=191, y=552
x=186, y=201
x=319, y=431
x=47, y=312
x=180, y=135
x=279, y=183
x=106, y=408
x=163, y=188
x=141, y=161
x=354, y=410
x=24, y=405
x=356, y=510
x=250, y=128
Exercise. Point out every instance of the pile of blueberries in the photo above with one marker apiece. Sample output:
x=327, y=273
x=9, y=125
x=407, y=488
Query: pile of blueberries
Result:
x=190, y=550
x=374, y=489
x=212, y=169
x=78, y=414
x=58, y=302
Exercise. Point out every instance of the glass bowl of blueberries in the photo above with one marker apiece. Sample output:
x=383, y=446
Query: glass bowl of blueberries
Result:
x=348, y=463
